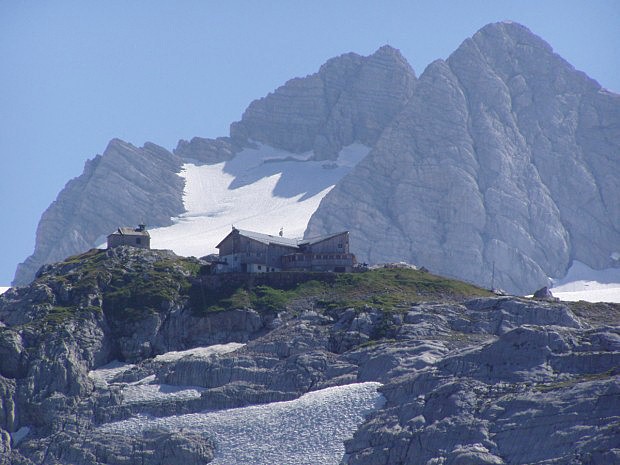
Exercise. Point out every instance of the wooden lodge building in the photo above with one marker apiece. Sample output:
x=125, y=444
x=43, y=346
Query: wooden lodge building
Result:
x=251, y=252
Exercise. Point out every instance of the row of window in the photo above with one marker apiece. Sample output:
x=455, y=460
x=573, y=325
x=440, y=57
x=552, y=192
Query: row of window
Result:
x=301, y=258
x=260, y=267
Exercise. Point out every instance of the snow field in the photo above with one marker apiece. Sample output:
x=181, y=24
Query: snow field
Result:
x=141, y=392
x=146, y=389
x=583, y=283
x=199, y=352
x=310, y=430
x=3, y=289
x=590, y=295
x=106, y=373
x=262, y=189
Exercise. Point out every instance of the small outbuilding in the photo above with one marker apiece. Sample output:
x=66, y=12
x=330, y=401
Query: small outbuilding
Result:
x=134, y=237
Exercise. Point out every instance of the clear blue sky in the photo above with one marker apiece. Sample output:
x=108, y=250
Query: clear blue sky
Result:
x=75, y=74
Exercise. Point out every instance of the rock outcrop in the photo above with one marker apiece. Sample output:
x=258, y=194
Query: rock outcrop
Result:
x=129, y=336
x=208, y=151
x=475, y=405
x=493, y=164
x=124, y=186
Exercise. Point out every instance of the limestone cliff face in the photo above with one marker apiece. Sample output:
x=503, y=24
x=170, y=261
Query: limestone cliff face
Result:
x=351, y=99
x=505, y=157
x=125, y=185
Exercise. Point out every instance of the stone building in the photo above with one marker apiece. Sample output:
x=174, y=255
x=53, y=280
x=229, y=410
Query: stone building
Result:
x=138, y=237
x=251, y=252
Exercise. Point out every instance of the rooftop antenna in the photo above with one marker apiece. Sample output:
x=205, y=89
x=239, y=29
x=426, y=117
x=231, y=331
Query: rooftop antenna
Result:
x=493, y=277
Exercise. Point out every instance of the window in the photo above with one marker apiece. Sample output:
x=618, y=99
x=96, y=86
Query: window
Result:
x=138, y=241
x=260, y=267
x=340, y=246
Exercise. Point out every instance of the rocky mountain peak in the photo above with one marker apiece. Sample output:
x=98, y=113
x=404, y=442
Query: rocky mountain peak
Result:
x=118, y=144
x=351, y=99
x=490, y=165
x=388, y=50
x=512, y=50
x=508, y=34
x=391, y=57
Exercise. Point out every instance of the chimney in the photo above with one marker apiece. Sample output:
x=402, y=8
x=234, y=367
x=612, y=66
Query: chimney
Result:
x=141, y=227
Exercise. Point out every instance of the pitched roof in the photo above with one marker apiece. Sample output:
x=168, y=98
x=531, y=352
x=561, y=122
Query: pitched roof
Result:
x=317, y=239
x=123, y=231
x=268, y=238
x=279, y=240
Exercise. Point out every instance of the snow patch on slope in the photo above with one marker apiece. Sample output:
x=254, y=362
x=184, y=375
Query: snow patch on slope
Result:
x=261, y=189
x=3, y=289
x=199, y=352
x=105, y=374
x=309, y=430
x=143, y=391
x=583, y=283
x=147, y=389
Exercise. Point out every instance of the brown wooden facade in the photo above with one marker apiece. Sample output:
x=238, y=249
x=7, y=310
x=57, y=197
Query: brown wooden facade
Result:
x=318, y=262
x=251, y=252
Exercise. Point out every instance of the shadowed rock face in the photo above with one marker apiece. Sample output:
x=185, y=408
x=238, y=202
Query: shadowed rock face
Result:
x=496, y=161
